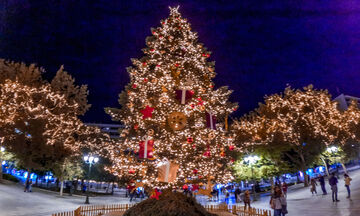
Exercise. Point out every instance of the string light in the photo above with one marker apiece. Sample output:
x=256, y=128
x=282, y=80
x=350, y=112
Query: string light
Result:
x=173, y=61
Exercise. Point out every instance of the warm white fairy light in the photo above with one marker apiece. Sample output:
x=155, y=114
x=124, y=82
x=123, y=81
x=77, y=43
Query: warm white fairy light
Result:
x=174, y=61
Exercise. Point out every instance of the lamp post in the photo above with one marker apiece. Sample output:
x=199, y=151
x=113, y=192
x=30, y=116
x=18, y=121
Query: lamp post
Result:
x=2, y=149
x=89, y=160
x=333, y=150
x=251, y=160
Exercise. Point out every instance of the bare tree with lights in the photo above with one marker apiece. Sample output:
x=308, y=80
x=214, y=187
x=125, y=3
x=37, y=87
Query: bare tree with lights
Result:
x=175, y=118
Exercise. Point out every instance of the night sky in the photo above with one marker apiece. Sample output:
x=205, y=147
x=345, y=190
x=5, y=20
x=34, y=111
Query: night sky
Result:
x=259, y=46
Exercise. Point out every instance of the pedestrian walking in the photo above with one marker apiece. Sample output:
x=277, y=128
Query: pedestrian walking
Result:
x=132, y=192
x=347, y=180
x=284, y=188
x=333, y=183
x=247, y=199
x=313, y=186
x=83, y=187
x=30, y=185
x=237, y=194
x=227, y=195
x=322, y=184
x=278, y=203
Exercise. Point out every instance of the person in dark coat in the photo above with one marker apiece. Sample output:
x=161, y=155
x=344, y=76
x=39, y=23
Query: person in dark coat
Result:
x=333, y=183
x=237, y=194
x=322, y=184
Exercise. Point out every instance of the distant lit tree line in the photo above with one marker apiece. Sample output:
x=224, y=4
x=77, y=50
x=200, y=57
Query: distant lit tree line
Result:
x=296, y=130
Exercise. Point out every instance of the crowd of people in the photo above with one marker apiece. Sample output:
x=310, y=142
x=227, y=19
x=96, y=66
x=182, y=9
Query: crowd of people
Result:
x=333, y=182
x=278, y=198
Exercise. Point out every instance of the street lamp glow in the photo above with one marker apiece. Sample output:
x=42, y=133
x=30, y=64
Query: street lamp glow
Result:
x=89, y=160
x=252, y=159
x=332, y=149
x=2, y=149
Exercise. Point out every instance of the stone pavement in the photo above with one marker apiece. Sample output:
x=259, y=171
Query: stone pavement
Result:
x=14, y=202
x=302, y=203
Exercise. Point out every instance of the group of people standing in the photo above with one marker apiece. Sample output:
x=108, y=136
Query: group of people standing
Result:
x=278, y=199
x=333, y=181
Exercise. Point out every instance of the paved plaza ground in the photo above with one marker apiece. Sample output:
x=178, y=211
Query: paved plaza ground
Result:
x=14, y=202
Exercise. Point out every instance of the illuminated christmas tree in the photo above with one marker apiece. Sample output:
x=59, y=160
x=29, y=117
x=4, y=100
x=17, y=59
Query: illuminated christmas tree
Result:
x=176, y=122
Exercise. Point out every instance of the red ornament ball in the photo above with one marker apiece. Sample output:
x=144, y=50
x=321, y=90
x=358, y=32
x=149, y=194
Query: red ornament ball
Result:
x=189, y=140
x=195, y=171
x=134, y=86
x=231, y=147
x=131, y=171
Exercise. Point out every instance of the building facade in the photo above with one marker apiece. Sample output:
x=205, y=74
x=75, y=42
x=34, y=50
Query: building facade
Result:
x=111, y=129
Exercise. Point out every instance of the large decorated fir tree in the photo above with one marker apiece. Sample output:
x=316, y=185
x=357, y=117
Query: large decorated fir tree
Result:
x=176, y=122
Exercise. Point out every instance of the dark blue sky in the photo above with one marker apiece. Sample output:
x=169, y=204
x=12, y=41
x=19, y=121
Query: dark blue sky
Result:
x=259, y=46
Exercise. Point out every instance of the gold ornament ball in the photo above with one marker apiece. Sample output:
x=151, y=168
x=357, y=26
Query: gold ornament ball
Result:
x=177, y=120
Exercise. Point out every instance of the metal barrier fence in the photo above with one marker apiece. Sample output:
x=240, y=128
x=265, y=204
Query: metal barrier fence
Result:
x=99, y=210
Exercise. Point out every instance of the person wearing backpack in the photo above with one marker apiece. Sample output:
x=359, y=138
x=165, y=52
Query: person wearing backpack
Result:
x=278, y=203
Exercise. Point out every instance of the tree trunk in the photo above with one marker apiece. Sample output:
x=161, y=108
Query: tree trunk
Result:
x=271, y=179
x=303, y=169
x=61, y=187
x=306, y=182
x=344, y=167
x=76, y=185
x=326, y=166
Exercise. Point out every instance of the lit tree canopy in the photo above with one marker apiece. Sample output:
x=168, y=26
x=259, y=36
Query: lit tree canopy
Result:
x=36, y=124
x=298, y=123
x=64, y=83
x=27, y=75
x=171, y=101
x=39, y=121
